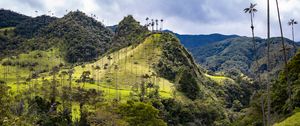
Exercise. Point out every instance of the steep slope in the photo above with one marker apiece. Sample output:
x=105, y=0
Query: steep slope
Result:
x=236, y=56
x=10, y=18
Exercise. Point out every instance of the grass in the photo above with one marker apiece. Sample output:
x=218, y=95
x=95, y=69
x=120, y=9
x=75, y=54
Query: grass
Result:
x=293, y=120
x=219, y=79
x=125, y=68
x=9, y=31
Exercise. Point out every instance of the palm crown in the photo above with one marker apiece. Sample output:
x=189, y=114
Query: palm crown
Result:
x=292, y=22
x=251, y=9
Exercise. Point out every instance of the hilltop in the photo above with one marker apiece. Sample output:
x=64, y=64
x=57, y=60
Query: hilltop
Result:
x=10, y=18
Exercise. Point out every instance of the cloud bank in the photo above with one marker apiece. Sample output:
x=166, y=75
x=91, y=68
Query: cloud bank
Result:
x=181, y=16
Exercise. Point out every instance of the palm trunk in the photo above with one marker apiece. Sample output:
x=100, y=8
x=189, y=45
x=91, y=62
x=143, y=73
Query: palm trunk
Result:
x=257, y=66
x=268, y=67
x=284, y=55
x=294, y=44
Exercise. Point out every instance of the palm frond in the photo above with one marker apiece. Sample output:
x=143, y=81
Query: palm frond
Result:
x=246, y=10
x=252, y=5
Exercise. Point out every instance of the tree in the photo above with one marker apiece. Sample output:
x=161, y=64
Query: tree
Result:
x=268, y=69
x=4, y=101
x=152, y=24
x=291, y=23
x=284, y=55
x=251, y=10
x=85, y=77
x=70, y=73
x=161, y=25
x=97, y=76
x=55, y=70
x=156, y=23
x=147, y=23
x=140, y=114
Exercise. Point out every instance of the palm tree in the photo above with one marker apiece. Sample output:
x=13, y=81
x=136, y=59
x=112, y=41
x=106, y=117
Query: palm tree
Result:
x=36, y=12
x=147, y=23
x=97, y=76
x=156, y=23
x=292, y=22
x=161, y=25
x=284, y=54
x=70, y=73
x=251, y=10
x=268, y=68
x=152, y=24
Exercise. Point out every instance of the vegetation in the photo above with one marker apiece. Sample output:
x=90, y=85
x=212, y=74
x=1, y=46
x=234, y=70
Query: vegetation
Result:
x=75, y=71
x=10, y=18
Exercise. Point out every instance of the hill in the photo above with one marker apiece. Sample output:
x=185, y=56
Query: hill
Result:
x=79, y=33
x=10, y=18
x=73, y=69
x=30, y=28
x=157, y=70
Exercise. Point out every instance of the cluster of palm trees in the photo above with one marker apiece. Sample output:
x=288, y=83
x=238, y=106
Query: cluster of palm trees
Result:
x=154, y=24
x=251, y=10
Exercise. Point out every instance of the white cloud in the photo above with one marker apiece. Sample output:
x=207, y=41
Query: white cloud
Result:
x=183, y=16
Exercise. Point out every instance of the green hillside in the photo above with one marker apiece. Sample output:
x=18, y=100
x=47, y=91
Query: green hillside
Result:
x=284, y=110
x=235, y=56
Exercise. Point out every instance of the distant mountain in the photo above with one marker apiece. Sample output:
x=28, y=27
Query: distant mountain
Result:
x=236, y=55
x=192, y=41
x=10, y=18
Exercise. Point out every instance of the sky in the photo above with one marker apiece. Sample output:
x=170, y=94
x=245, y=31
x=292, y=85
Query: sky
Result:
x=180, y=16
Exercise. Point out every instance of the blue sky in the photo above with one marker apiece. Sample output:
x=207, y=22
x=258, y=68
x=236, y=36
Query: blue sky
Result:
x=181, y=16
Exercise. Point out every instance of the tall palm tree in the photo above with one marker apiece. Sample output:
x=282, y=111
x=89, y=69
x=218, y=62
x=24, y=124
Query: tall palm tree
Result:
x=36, y=12
x=268, y=66
x=284, y=55
x=251, y=10
x=291, y=23
x=152, y=24
x=147, y=23
x=156, y=23
x=161, y=25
